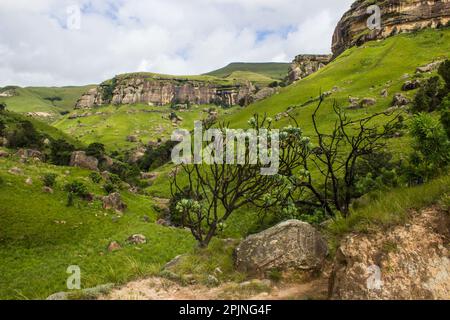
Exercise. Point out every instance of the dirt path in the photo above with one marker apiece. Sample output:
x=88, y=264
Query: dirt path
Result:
x=164, y=289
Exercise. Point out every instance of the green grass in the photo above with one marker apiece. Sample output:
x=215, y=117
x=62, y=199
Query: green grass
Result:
x=359, y=72
x=117, y=122
x=11, y=118
x=35, y=250
x=274, y=70
x=32, y=99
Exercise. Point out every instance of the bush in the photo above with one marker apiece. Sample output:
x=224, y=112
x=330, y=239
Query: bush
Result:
x=96, y=150
x=2, y=127
x=95, y=177
x=2, y=106
x=25, y=136
x=109, y=188
x=429, y=97
x=445, y=120
x=77, y=188
x=432, y=148
x=444, y=72
x=61, y=152
x=49, y=179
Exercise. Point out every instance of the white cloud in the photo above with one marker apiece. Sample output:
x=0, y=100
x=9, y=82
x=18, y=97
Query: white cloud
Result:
x=166, y=36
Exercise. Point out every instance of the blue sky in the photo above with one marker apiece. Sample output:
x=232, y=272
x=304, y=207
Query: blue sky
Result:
x=44, y=42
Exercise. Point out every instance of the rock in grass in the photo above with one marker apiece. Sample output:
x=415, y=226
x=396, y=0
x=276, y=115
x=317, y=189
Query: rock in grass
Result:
x=289, y=245
x=114, y=246
x=15, y=171
x=114, y=202
x=81, y=160
x=137, y=239
x=47, y=190
x=29, y=181
x=4, y=154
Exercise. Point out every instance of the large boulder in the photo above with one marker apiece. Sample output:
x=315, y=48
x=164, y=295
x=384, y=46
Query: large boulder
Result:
x=81, y=160
x=114, y=202
x=289, y=245
x=406, y=262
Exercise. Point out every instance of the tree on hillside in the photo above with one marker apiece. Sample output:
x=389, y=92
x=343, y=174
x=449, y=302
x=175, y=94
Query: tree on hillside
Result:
x=3, y=106
x=207, y=195
x=444, y=72
x=336, y=159
x=96, y=150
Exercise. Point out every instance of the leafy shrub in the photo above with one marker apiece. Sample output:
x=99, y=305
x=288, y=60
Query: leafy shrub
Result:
x=77, y=188
x=109, y=188
x=429, y=97
x=432, y=148
x=444, y=72
x=2, y=127
x=60, y=152
x=108, y=89
x=49, y=179
x=25, y=136
x=95, y=177
x=96, y=150
x=2, y=106
x=445, y=120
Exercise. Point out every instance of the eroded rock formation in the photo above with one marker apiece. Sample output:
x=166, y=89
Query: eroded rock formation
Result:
x=305, y=64
x=158, y=91
x=397, y=16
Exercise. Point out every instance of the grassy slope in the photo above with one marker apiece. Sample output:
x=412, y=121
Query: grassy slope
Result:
x=358, y=72
x=112, y=128
x=11, y=118
x=272, y=70
x=32, y=99
x=35, y=250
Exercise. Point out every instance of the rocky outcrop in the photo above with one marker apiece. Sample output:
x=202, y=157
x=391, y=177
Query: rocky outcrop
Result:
x=397, y=16
x=114, y=202
x=411, y=261
x=81, y=160
x=289, y=245
x=306, y=64
x=156, y=91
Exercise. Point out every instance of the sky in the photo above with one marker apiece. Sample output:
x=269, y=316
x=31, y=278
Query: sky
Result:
x=78, y=42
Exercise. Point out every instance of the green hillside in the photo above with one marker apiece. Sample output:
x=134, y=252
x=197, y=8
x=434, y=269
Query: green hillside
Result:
x=274, y=70
x=36, y=99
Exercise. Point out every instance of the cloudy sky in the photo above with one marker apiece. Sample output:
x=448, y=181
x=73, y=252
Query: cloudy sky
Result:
x=46, y=42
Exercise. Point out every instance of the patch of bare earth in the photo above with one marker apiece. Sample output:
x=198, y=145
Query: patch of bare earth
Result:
x=164, y=289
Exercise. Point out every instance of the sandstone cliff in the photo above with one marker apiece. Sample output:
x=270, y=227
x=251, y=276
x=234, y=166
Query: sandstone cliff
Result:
x=397, y=16
x=138, y=88
x=305, y=64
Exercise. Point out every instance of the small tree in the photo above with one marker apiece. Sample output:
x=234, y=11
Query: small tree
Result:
x=210, y=194
x=60, y=152
x=444, y=72
x=336, y=160
x=2, y=106
x=429, y=97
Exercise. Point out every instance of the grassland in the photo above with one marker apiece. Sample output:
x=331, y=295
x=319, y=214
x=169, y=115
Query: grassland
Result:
x=33, y=99
x=113, y=124
x=273, y=70
x=40, y=236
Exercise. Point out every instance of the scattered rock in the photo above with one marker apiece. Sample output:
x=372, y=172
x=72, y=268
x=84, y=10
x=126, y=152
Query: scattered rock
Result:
x=384, y=93
x=30, y=154
x=411, y=85
x=81, y=160
x=289, y=245
x=15, y=171
x=212, y=281
x=47, y=190
x=4, y=154
x=137, y=239
x=114, y=202
x=3, y=142
x=132, y=138
x=399, y=100
x=365, y=102
x=146, y=219
x=29, y=181
x=149, y=175
x=429, y=67
x=114, y=246
x=163, y=222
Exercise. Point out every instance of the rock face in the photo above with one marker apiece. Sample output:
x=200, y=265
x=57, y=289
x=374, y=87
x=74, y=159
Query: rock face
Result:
x=156, y=91
x=289, y=245
x=81, y=160
x=306, y=64
x=397, y=16
x=406, y=262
